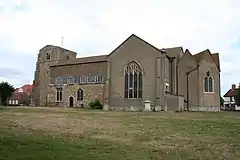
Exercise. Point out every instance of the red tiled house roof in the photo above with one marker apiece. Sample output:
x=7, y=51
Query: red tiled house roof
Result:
x=27, y=88
x=26, y=91
x=231, y=93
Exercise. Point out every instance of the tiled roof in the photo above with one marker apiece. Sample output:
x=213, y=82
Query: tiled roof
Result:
x=26, y=89
x=19, y=96
x=231, y=93
x=15, y=96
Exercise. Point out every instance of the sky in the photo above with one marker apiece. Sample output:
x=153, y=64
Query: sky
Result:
x=96, y=27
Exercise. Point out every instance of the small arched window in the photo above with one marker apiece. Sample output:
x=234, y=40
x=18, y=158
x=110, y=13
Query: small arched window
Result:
x=208, y=83
x=48, y=56
x=80, y=95
x=59, y=94
x=133, y=80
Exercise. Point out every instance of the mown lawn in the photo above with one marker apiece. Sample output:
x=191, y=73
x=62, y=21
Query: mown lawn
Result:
x=54, y=133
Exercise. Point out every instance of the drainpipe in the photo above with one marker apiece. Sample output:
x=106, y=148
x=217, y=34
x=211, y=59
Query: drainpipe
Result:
x=171, y=59
x=188, y=85
x=177, y=79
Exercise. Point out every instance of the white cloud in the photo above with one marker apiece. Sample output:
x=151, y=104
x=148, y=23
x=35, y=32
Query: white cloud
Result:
x=97, y=27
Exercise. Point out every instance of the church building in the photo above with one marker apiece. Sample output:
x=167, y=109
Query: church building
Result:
x=133, y=73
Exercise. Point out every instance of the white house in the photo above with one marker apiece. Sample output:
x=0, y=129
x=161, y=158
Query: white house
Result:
x=229, y=99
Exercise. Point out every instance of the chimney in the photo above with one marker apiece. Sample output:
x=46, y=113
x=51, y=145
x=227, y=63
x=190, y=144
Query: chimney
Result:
x=233, y=86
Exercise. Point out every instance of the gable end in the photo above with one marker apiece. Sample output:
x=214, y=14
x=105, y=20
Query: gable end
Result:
x=133, y=35
x=215, y=57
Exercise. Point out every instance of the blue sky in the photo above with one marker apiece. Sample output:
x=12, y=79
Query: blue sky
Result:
x=96, y=27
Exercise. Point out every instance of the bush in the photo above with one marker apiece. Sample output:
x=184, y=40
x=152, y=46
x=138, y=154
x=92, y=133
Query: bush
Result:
x=96, y=104
x=26, y=102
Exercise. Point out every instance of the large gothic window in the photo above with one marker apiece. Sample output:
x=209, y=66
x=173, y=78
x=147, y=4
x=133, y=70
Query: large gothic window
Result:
x=133, y=80
x=80, y=95
x=208, y=83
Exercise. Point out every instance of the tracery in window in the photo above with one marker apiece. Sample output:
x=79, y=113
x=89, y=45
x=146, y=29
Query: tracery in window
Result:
x=208, y=83
x=133, y=81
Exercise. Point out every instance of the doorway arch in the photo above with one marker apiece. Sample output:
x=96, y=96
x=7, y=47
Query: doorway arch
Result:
x=71, y=101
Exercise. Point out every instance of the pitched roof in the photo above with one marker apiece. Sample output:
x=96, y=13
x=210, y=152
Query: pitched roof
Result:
x=168, y=50
x=27, y=88
x=188, y=52
x=215, y=57
x=81, y=60
x=102, y=58
x=19, y=96
x=173, y=52
x=15, y=96
x=199, y=55
x=231, y=93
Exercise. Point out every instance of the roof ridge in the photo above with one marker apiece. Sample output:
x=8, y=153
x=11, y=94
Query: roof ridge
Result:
x=198, y=56
x=187, y=51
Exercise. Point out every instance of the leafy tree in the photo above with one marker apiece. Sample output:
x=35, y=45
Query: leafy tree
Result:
x=237, y=97
x=221, y=101
x=6, y=91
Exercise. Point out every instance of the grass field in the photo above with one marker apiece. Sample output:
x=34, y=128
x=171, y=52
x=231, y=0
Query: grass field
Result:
x=54, y=133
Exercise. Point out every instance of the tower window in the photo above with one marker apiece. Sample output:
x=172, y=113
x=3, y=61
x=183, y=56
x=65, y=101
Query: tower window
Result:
x=48, y=56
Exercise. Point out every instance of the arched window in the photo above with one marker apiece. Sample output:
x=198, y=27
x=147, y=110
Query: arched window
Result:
x=133, y=80
x=59, y=94
x=80, y=95
x=208, y=83
x=48, y=56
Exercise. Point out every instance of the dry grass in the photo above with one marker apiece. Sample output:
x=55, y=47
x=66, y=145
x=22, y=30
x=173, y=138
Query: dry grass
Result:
x=130, y=135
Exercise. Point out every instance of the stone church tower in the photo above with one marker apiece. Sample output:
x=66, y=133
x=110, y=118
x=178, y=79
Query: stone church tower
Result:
x=48, y=55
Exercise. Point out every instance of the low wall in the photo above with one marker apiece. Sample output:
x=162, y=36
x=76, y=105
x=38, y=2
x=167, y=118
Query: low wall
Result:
x=205, y=108
x=237, y=108
x=125, y=108
x=175, y=102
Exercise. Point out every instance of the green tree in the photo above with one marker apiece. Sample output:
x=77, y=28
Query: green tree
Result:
x=221, y=101
x=6, y=91
x=237, y=97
